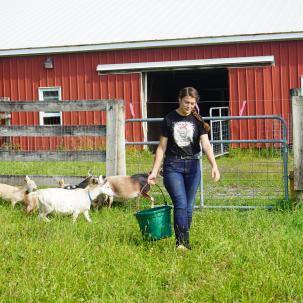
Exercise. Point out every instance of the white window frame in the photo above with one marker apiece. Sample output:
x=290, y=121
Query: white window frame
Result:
x=43, y=115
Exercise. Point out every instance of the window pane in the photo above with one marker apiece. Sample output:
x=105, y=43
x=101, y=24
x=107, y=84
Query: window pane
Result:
x=51, y=120
x=51, y=114
x=51, y=95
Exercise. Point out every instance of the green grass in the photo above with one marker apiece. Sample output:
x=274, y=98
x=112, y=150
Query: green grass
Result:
x=237, y=256
x=252, y=256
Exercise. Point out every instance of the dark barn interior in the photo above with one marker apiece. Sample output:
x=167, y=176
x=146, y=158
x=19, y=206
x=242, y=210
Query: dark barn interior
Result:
x=163, y=88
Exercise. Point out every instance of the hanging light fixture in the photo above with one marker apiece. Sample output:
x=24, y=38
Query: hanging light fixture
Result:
x=48, y=63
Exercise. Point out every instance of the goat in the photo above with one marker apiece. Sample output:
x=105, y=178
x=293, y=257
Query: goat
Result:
x=16, y=194
x=122, y=188
x=31, y=200
x=83, y=184
x=64, y=201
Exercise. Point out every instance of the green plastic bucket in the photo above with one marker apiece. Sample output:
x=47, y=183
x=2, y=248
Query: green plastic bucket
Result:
x=155, y=223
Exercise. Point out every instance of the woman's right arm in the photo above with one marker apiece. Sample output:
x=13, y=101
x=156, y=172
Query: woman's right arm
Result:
x=157, y=160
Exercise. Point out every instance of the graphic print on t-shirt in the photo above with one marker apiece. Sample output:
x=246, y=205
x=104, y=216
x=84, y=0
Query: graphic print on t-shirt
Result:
x=183, y=133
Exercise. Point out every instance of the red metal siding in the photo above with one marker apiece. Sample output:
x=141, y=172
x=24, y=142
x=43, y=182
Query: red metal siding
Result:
x=266, y=90
x=76, y=75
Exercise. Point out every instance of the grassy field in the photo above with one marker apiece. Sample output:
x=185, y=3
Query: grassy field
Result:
x=251, y=256
x=237, y=256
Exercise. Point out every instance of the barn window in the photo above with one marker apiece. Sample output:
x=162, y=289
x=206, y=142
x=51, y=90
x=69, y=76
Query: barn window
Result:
x=50, y=94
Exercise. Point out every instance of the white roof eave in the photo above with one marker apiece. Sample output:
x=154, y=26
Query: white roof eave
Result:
x=235, y=62
x=152, y=44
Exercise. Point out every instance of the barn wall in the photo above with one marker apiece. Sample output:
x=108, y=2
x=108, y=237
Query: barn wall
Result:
x=20, y=78
x=266, y=90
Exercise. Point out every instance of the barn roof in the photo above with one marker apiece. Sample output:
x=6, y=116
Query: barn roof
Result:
x=43, y=26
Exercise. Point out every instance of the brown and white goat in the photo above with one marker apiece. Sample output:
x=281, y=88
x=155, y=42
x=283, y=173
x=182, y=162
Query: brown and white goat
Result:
x=123, y=188
x=16, y=194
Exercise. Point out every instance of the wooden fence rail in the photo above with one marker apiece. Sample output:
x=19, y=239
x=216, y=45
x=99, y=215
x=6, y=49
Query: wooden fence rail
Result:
x=114, y=131
x=55, y=130
x=56, y=106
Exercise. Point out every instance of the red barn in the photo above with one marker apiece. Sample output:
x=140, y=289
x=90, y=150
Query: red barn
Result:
x=242, y=55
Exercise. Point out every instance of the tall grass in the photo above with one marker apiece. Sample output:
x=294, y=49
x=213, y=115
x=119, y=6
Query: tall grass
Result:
x=248, y=256
x=252, y=256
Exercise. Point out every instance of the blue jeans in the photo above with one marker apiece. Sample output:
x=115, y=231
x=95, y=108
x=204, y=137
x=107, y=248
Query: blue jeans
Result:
x=181, y=180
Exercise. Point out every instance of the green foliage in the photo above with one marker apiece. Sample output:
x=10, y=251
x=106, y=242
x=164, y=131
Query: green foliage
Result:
x=252, y=256
x=134, y=159
x=52, y=168
x=254, y=152
x=133, y=154
x=284, y=205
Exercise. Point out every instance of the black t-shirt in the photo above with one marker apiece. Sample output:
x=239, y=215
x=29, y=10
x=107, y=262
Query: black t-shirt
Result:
x=183, y=133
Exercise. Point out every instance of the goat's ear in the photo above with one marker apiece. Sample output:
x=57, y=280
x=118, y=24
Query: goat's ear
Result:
x=100, y=179
x=26, y=178
x=34, y=184
x=89, y=173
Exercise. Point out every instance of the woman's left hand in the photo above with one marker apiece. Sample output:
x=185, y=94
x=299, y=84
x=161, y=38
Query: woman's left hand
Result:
x=151, y=179
x=215, y=174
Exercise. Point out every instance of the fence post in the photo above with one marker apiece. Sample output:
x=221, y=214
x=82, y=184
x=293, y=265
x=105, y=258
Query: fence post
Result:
x=297, y=122
x=115, y=138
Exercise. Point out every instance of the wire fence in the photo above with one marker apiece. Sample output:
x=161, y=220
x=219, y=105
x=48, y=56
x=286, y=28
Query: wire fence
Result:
x=254, y=176
x=251, y=176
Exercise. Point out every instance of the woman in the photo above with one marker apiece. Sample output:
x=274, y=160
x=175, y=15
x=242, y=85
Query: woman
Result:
x=183, y=130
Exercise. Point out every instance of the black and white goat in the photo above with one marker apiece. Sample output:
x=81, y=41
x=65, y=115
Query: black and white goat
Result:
x=90, y=179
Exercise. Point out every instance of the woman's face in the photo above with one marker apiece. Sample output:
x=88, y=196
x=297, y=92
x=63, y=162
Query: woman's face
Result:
x=186, y=105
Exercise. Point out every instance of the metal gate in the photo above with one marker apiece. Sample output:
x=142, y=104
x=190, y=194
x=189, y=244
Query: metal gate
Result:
x=219, y=129
x=250, y=177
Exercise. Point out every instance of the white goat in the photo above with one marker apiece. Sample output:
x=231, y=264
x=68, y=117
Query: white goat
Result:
x=66, y=201
x=16, y=194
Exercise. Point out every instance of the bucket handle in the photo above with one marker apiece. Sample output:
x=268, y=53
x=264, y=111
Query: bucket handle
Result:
x=165, y=202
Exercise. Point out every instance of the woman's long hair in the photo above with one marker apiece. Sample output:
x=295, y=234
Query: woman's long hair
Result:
x=192, y=92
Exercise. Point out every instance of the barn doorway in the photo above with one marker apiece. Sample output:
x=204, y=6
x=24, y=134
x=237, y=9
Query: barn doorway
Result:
x=163, y=88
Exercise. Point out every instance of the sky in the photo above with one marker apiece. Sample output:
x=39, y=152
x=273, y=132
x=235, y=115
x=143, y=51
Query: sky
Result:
x=45, y=23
